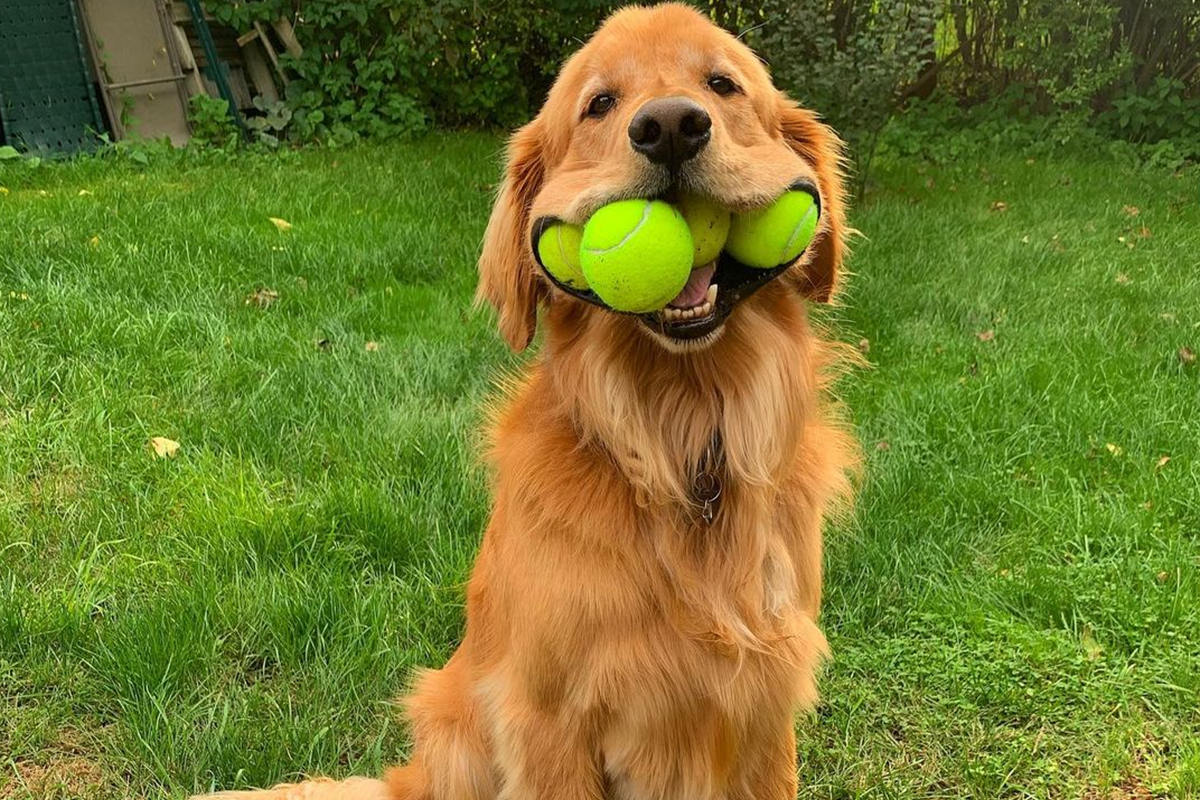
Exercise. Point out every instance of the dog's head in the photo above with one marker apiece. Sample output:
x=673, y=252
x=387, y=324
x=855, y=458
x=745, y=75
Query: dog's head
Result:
x=660, y=102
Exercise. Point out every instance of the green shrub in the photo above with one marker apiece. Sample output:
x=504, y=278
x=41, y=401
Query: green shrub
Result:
x=211, y=122
x=849, y=62
x=378, y=68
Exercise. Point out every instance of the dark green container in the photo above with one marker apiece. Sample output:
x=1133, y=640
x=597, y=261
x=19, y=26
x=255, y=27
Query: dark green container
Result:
x=47, y=93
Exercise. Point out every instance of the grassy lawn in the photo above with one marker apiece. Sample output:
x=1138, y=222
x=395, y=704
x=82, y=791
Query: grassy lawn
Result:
x=1014, y=610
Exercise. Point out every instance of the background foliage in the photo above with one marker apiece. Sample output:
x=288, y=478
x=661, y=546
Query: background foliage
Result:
x=1034, y=69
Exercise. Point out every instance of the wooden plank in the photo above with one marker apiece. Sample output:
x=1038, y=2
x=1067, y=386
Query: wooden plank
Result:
x=287, y=35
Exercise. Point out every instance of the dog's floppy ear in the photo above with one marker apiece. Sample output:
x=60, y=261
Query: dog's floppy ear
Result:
x=507, y=277
x=817, y=144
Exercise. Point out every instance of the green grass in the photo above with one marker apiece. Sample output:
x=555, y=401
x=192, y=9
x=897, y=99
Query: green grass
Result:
x=1014, y=610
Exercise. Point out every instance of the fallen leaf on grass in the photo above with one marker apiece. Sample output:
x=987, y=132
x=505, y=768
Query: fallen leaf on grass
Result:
x=1131, y=211
x=281, y=224
x=94, y=242
x=999, y=205
x=85, y=192
x=1167, y=315
x=1115, y=449
x=371, y=347
x=164, y=447
x=1122, y=278
x=1162, y=462
x=1091, y=647
x=1025, y=239
x=1143, y=232
x=883, y=444
x=1187, y=355
x=864, y=346
x=262, y=298
x=986, y=336
x=1161, y=577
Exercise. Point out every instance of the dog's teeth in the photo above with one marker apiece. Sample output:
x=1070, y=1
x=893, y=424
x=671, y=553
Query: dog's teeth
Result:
x=705, y=309
x=711, y=297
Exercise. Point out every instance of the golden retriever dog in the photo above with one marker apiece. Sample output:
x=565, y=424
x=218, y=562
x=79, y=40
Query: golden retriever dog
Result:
x=641, y=622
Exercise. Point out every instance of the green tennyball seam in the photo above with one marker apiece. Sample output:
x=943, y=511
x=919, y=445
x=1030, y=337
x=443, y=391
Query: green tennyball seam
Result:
x=812, y=209
x=628, y=236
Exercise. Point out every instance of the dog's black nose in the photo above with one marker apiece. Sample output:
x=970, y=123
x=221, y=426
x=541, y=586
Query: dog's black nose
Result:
x=669, y=131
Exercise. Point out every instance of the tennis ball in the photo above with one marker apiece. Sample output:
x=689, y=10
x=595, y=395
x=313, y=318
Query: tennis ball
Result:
x=709, y=224
x=558, y=248
x=636, y=254
x=774, y=234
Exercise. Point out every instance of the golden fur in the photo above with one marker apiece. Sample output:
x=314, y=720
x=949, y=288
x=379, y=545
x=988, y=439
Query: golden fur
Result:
x=615, y=646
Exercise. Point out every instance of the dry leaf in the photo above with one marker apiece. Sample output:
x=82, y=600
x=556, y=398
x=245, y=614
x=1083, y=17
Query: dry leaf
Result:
x=929, y=184
x=1030, y=162
x=1025, y=239
x=999, y=205
x=164, y=447
x=986, y=336
x=1167, y=315
x=1131, y=211
x=281, y=224
x=1143, y=232
x=1161, y=577
x=371, y=347
x=1122, y=278
x=85, y=192
x=1187, y=355
x=262, y=298
x=883, y=445
x=1090, y=646
x=1114, y=449
x=94, y=242
x=1162, y=462
x=864, y=346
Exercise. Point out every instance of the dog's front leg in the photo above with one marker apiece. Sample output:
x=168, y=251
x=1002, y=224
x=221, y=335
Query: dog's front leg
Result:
x=768, y=765
x=546, y=756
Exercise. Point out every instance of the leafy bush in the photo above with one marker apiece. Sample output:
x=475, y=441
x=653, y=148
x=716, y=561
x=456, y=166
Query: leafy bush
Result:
x=211, y=122
x=393, y=67
x=850, y=62
x=1162, y=112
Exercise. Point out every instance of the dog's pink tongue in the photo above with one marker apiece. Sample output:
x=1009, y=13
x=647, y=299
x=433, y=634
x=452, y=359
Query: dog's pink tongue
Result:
x=696, y=288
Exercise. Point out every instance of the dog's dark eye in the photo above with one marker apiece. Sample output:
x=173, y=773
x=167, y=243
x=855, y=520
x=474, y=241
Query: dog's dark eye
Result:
x=601, y=104
x=721, y=85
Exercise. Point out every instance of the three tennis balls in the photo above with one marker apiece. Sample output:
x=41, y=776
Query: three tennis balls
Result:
x=637, y=254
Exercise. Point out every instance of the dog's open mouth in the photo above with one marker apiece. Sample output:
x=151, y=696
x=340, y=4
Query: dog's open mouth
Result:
x=710, y=295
